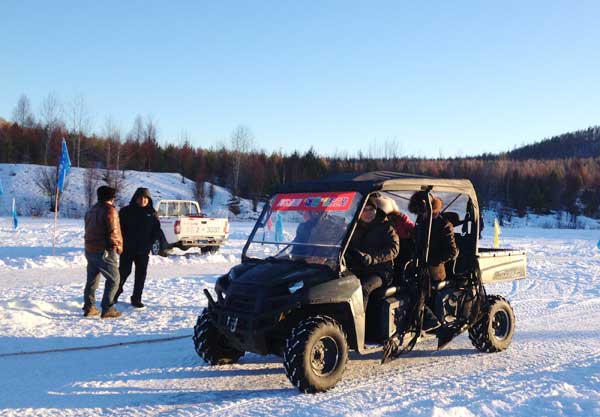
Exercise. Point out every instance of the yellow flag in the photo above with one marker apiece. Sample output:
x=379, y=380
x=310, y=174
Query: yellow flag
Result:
x=496, y=234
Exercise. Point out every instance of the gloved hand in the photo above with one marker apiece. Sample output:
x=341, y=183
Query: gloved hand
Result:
x=367, y=259
x=363, y=258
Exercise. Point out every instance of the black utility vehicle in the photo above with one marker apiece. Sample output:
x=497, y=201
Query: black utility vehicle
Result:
x=294, y=295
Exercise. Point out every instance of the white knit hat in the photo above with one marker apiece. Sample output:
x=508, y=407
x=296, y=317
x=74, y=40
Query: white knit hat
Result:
x=387, y=205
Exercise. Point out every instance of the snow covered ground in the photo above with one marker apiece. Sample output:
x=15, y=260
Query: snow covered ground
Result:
x=551, y=369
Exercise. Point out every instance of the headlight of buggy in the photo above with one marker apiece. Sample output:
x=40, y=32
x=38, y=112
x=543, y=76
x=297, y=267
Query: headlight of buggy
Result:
x=296, y=286
x=221, y=286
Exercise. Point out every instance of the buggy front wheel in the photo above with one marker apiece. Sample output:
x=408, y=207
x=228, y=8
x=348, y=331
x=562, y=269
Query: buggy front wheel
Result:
x=315, y=354
x=211, y=345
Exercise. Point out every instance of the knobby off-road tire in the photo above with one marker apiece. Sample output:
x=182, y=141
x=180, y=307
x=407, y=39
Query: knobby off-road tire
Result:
x=211, y=345
x=495, y=330
x=315, y=354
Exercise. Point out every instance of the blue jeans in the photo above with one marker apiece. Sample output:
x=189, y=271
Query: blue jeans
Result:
x=107, y=264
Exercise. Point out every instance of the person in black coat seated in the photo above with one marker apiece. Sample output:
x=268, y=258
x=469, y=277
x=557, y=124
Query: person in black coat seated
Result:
x=372, y=249
x=318, y=228
x=140, y=227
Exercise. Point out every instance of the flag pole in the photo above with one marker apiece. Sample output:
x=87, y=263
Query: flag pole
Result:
x=64, y=165
x=55, y=221
x=13, y=211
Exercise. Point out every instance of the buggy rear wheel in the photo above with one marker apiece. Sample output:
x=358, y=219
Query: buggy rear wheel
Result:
x=495, y=330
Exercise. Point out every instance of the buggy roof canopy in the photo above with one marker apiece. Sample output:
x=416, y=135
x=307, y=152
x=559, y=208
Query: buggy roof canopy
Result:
x=381, y=181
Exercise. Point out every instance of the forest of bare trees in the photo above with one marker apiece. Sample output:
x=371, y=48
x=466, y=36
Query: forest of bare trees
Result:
x=515, y=181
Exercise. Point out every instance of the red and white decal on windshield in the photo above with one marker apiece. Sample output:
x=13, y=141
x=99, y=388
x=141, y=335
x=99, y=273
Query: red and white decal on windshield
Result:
x=314, y=201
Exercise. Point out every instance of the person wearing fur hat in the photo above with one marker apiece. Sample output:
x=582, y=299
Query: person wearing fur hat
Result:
x=442, y=246
x=103, y=244
x=141, y=227
x=372, y=249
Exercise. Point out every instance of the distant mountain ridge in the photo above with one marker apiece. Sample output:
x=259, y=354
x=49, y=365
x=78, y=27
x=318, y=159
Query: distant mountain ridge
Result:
x=579, y=144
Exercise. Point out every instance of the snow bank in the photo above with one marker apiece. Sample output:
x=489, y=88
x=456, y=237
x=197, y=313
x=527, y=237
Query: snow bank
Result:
x=19, y=182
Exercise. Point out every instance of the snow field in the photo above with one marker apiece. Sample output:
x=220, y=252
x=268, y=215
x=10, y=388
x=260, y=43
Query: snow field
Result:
x=551, y=369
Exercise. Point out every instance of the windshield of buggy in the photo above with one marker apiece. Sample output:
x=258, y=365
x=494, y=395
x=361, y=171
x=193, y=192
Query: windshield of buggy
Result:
x=308, y=227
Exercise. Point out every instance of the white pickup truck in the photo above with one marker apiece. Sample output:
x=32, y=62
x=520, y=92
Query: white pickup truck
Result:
x=184, y=226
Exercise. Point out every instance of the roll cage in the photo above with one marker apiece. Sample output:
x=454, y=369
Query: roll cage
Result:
x=391, y=183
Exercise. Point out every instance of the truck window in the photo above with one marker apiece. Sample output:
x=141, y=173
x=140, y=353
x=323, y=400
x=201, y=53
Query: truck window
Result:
x=173, y=208
x=193, y=209
x=162, y=209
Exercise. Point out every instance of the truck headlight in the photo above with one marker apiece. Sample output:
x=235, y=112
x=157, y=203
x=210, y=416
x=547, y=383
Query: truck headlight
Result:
x=296, y=286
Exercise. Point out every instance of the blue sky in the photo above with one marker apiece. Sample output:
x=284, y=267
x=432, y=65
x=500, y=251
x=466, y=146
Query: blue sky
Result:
x=439, y=78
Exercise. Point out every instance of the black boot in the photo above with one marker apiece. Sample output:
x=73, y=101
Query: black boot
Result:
x=137, y=303
x=448, y=332
x=430, y=321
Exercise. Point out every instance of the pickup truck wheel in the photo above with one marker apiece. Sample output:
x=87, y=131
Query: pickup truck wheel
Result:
x=211, y=345
x=494, y=331
x=209, y=249
x=156, y=249
x=315, y=354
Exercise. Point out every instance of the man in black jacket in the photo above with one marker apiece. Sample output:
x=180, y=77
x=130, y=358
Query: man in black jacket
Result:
x=140, y=227
x=372, y=249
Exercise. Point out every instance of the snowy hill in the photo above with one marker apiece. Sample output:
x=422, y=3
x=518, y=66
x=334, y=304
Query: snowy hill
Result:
x=19, y=181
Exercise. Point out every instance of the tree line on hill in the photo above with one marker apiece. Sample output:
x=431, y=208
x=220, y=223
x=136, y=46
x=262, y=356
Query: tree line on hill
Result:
x=537, y=178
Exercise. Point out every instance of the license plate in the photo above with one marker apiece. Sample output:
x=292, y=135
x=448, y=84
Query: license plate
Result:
x=232, y=323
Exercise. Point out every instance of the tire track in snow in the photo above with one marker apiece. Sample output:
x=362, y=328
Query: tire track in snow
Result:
x=532, y=354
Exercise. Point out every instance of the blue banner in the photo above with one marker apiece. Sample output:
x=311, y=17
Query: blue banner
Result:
x=64, y=166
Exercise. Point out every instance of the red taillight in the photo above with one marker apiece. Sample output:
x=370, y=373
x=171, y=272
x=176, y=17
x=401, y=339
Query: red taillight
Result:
x=227, y=228
x=177, y=227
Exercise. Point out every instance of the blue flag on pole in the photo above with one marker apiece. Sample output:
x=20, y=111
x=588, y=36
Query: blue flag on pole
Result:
x=64, y=165
x=14, y=213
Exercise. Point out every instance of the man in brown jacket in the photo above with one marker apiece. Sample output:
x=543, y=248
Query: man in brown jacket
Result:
x=442, y=246
x=103, y=244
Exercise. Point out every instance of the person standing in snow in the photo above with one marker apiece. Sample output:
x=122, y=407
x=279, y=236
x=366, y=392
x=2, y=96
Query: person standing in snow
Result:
x=141, y=227
x=103, y=244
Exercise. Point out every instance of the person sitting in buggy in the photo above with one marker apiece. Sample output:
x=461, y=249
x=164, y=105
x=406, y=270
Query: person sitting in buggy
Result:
x=372, y=249
x=404, y=228
x=318, y=228
x=442, y=249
